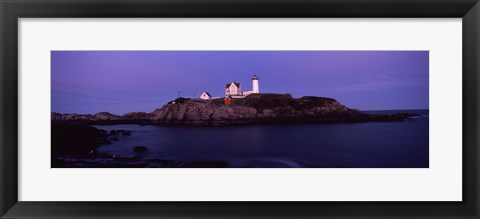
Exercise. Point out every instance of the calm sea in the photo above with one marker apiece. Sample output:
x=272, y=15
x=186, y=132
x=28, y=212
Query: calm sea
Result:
x=352, y=145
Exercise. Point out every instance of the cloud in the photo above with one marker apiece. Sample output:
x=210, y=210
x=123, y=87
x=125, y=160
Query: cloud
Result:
x=381, y=84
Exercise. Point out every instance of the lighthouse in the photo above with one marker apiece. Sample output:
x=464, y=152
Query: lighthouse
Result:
x=255, y=87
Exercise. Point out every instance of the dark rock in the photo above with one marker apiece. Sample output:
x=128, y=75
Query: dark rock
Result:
x=114, y=139
x=257, y=109
x=114, y=132
x=135, y=116
x=106, y=116
x=140, y=149
x=73, y=138
x=103, y=141
x=104, y=132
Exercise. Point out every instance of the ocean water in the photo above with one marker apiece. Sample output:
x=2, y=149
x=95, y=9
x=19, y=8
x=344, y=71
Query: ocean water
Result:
x=347, y=145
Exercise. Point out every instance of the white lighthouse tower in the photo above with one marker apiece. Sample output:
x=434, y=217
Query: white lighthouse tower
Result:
x=255, y=87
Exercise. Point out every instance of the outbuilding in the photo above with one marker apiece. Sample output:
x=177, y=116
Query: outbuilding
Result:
x=228, y=100
x=206, y=96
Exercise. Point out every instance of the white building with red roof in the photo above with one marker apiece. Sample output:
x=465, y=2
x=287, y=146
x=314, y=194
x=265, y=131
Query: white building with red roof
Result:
x=234, y=89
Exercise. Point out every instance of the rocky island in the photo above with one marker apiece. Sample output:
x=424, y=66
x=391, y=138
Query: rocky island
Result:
x=253, y=109
x=75, y=141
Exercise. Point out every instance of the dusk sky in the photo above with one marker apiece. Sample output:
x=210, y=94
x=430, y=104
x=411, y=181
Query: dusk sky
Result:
x=132, y=81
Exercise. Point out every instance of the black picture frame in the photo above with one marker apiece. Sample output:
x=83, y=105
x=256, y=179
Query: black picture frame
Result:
x=12, y=10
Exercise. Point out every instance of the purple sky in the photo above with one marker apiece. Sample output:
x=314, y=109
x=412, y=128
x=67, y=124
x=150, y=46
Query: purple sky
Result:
x=127, y=81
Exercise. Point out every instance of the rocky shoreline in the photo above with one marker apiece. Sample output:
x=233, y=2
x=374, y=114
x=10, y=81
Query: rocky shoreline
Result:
x=253, y=109
x=74, y=145
x=107, y=161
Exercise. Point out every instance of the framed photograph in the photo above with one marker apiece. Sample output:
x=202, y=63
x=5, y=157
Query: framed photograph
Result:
x=256, y=109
